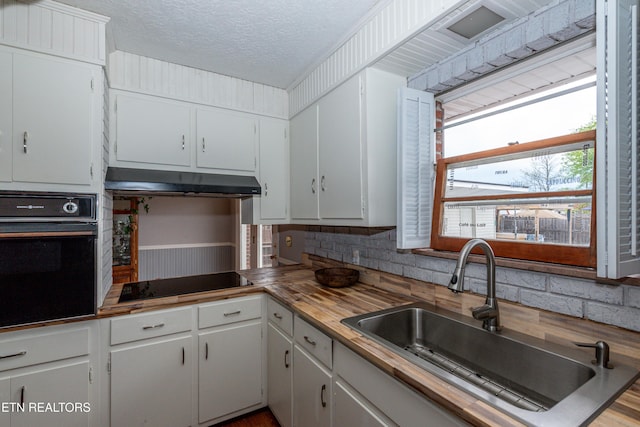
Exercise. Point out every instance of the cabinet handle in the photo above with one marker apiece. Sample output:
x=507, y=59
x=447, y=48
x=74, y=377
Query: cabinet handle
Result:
x=156, y=326
x=313, y=186
x=8, y=356
x=203, y=146
x=286, y=357
x=322, y=186
x=22, y=395
x=322, y=390
x=232, y=313
x=183, y=355
x=277, y=315
x=266, y=189
x=25, y=137
x=206, y=351
x=309, y=340
x=183, y=142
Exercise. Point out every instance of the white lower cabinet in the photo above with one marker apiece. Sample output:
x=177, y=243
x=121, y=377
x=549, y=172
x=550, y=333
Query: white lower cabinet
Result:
x=312, y=387
x=231, y=356
x=280, y=365
x=151, y=384
x=46, y=376
x=230, y=370
x=5, y=393
x=63, y=388
x=378, y=393
x=311, y=391
x=187, y=366
x=351, y=409
x=151, y=369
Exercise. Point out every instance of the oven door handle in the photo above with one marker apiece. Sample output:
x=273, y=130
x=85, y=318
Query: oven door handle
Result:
x=47, y=234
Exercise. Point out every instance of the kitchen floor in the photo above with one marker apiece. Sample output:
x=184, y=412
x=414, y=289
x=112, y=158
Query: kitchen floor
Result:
x=259, y=418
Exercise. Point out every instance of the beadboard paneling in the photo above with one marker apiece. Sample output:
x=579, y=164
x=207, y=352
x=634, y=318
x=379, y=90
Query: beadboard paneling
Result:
x=140, y=74
x=54, y=28
x=403, y=38
x=163, y=262
x=393, y=24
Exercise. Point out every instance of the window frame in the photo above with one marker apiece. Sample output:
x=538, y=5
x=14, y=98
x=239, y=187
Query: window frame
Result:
x=561, y=254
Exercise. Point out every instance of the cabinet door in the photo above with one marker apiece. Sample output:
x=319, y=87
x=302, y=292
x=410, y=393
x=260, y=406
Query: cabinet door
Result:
x=5, y=396
x=311, y=392
x=152, y=130
x=67, y=384
x=6, y=117
x=151, y=384
x=230, y=370
x=350, y=410
x=226, y=140
x=304, y=164
x=52, y=120
x=274, y=164
x=340, y=152
x=280, y=371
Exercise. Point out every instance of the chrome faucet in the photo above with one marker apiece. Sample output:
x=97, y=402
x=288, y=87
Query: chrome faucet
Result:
x=488, y=313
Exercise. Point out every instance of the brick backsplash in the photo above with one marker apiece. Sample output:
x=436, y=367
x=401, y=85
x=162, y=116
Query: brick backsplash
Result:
x=617, y=304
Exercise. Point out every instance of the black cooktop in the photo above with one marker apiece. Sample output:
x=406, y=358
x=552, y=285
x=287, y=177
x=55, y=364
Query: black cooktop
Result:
x=181, y=285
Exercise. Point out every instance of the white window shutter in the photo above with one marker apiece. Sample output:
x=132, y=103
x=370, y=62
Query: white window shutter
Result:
x=618, y=233
x=416, y=157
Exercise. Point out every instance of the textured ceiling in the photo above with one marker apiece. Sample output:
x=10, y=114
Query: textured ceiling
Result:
x=266, y=41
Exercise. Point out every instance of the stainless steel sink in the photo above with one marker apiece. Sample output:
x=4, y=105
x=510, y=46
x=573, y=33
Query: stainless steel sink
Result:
x=534, y=381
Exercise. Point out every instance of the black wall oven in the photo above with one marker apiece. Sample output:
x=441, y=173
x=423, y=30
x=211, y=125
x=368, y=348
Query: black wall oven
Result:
x=48, y=245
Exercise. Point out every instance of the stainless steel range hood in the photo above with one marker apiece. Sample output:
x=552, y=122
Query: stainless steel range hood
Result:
x=144, y=181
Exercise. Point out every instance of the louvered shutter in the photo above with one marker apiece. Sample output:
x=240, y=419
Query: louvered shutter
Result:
x=617, y=157
x=416, y=156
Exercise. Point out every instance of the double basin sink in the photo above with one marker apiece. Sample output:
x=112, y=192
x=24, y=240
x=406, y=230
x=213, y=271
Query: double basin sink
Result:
x=534, y=381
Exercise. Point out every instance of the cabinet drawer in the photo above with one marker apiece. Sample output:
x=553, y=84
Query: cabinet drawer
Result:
x=279, y=315
x=314, y=341
x=229, y=311
x=43, y=348
x=149, y=325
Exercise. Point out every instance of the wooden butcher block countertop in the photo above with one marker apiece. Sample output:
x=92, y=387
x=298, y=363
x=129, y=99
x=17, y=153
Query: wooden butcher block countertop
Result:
x=296, y=287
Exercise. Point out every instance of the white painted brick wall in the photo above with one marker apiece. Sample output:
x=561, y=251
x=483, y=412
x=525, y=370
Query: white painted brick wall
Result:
x=612, y=304
x=524, y=37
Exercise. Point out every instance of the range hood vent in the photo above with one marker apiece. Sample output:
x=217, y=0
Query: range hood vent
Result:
x=144, y=181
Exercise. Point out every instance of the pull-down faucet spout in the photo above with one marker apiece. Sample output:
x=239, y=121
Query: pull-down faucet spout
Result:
x=488, y=313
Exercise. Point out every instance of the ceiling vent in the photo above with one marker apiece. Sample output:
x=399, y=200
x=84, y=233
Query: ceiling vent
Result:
x=478, y=19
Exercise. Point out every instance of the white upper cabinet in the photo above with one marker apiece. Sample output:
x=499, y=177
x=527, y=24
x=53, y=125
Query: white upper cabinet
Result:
x=340, y=152
x=226, y=140
x=343, y=154
x=304, y=165
x=158, y=133
x=6, y=117
x=48, y=120
x=152, y=130
x=274, y=169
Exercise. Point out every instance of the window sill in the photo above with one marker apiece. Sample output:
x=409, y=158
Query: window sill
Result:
x=541, y=267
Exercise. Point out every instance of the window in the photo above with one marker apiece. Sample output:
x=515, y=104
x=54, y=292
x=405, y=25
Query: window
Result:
x=613, y=191
x=518, y=170
x=524, y=198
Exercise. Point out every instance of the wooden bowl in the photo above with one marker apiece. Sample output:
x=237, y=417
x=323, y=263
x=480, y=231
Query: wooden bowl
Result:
x=337, y=277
